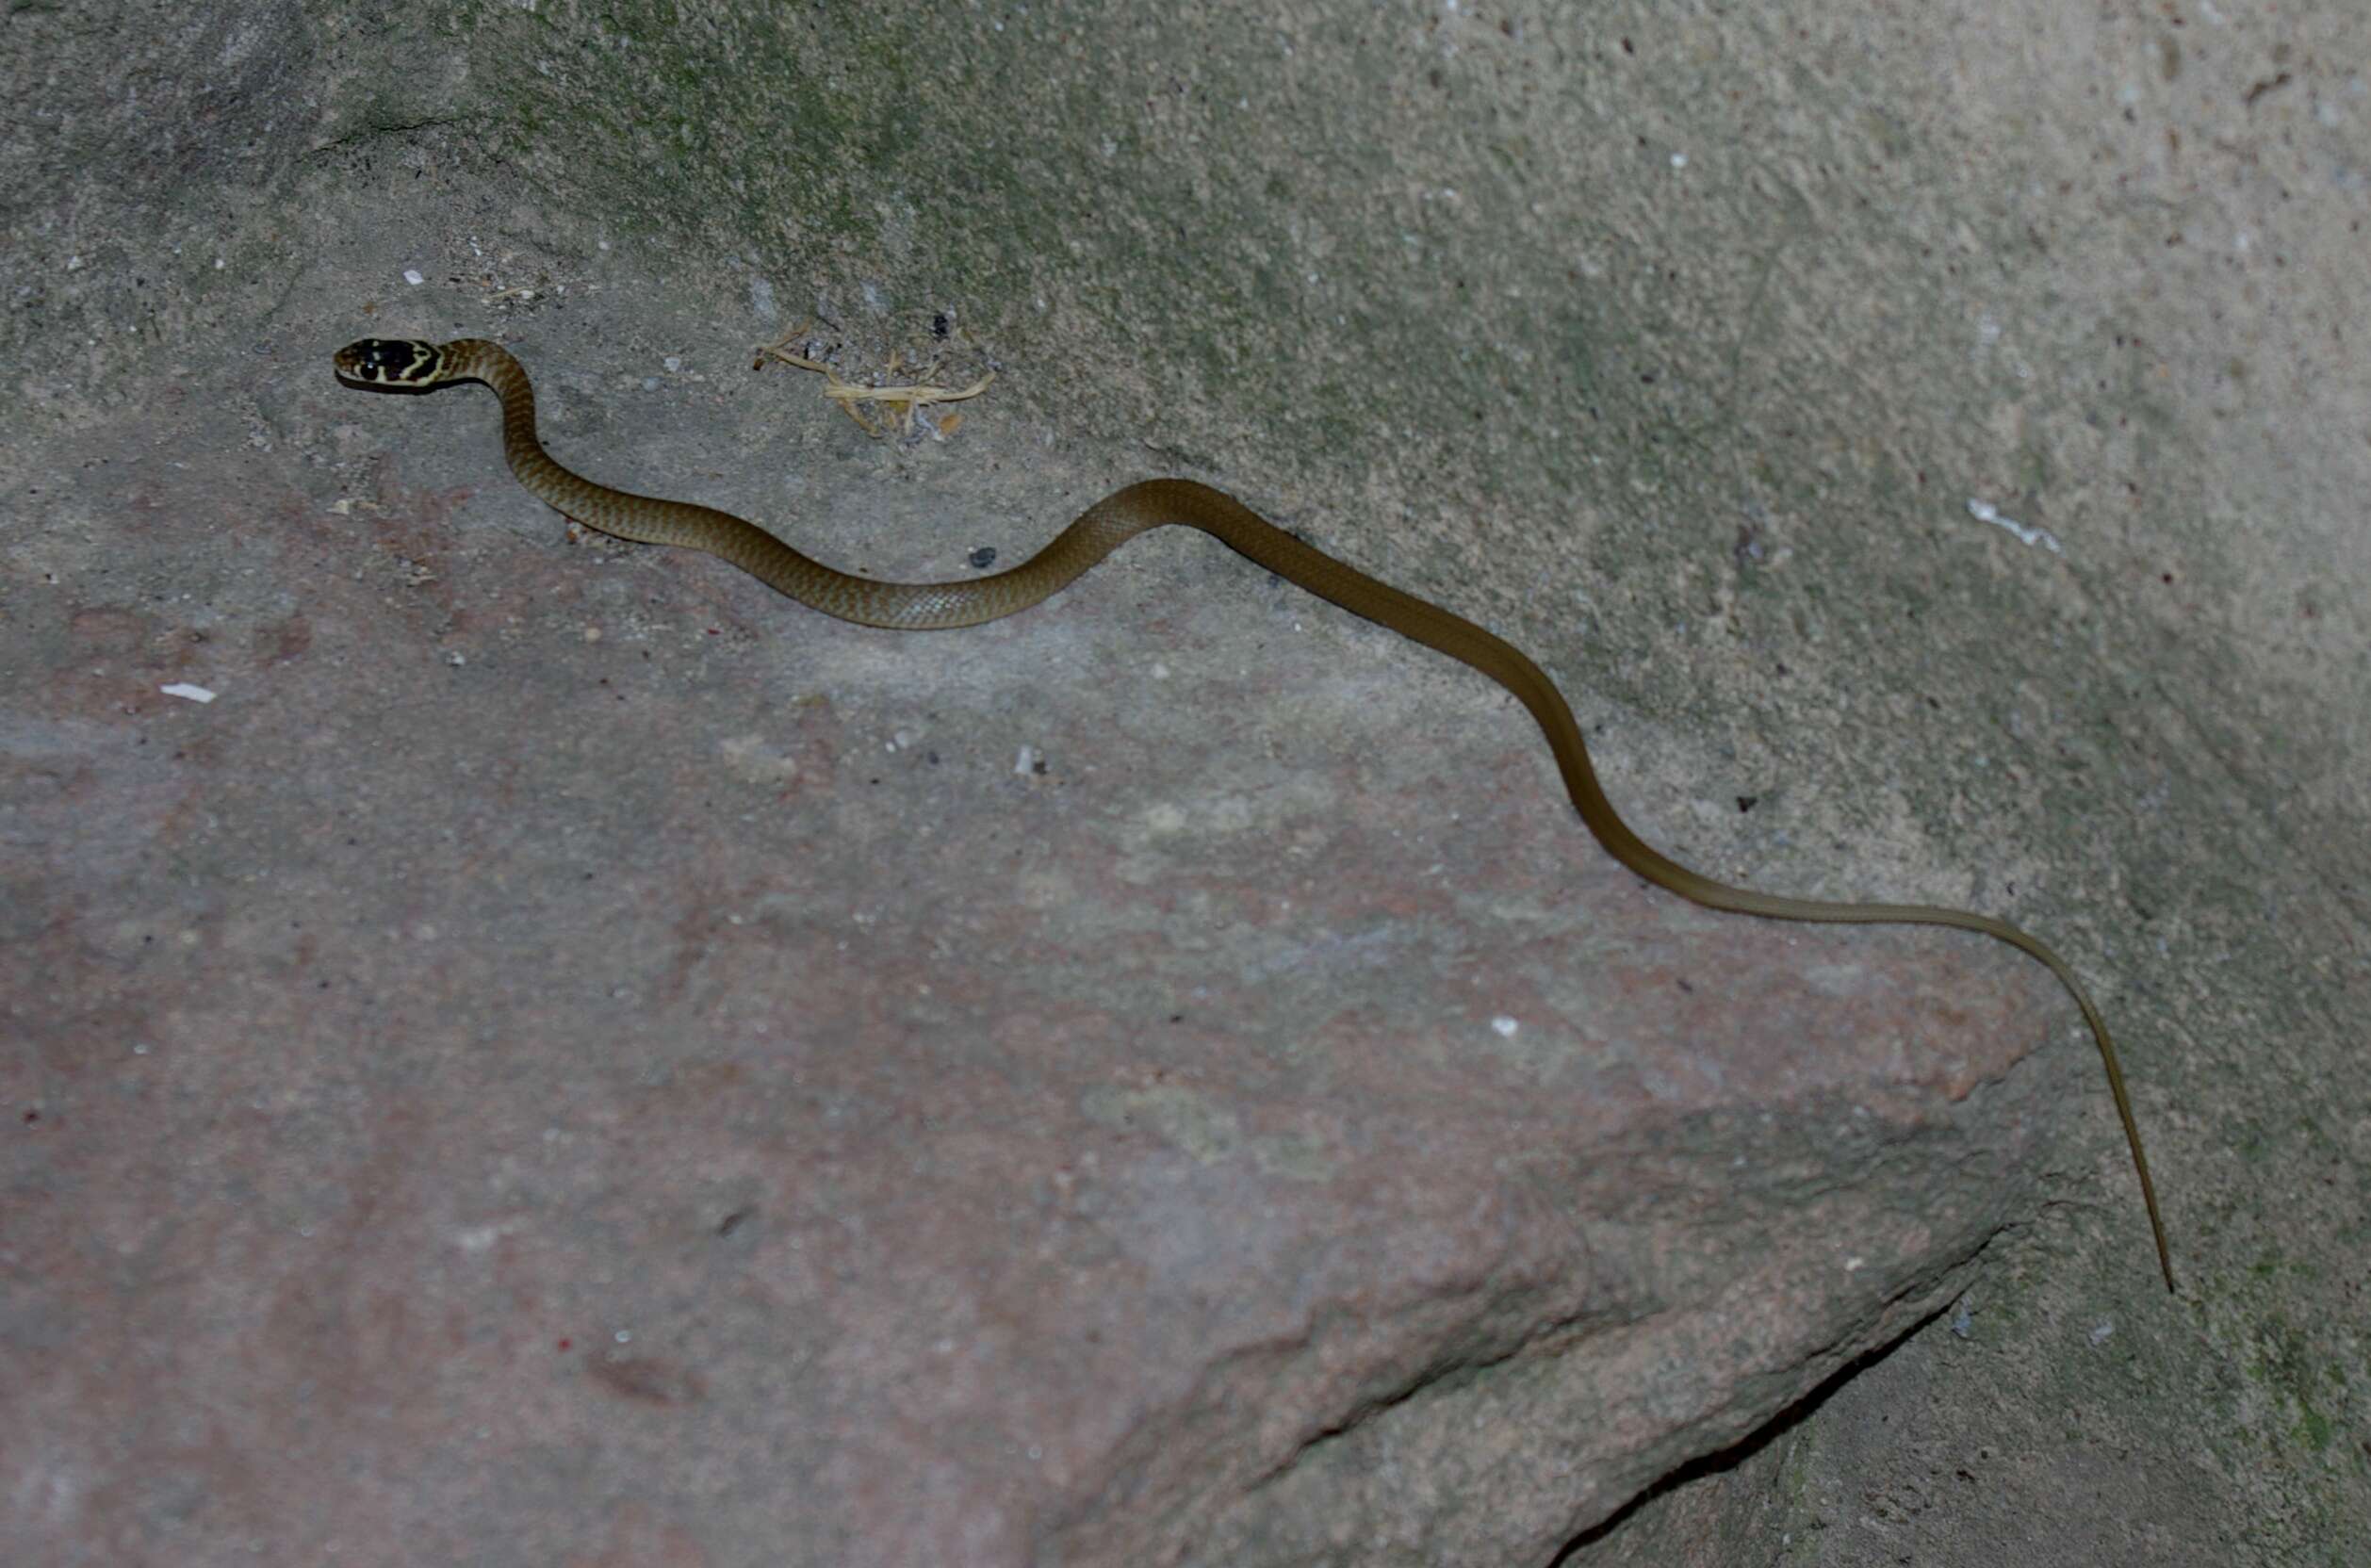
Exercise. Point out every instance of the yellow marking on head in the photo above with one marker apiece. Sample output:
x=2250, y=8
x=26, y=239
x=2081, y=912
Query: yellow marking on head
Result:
x=389, y=362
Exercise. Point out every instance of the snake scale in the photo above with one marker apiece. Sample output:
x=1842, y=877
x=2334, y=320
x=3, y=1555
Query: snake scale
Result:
x=402, y=365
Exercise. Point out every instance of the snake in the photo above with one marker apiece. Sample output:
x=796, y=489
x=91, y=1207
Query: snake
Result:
x=402, y=365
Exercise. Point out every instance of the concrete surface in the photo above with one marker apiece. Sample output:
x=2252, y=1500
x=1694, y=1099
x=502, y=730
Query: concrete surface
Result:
x=1674, y=344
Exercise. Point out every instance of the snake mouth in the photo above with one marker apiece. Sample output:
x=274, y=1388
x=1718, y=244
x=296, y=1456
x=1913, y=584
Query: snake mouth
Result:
x=389, y=364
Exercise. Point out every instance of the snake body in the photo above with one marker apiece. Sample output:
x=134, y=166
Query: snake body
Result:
x=402, y=365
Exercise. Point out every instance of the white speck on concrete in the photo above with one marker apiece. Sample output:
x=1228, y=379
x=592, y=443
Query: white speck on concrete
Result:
x=1985, y=512
x=479, y=1238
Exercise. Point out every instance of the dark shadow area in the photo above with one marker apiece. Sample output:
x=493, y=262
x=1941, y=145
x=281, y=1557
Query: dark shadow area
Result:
x=1737, y=1453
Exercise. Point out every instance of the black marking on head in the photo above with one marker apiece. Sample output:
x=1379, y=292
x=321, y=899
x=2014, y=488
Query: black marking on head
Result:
x=389, y=362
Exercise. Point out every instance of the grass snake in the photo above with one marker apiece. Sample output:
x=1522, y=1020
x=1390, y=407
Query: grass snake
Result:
x=403, y=365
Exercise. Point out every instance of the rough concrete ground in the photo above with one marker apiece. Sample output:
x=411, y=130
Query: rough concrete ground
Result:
x=1673, y=344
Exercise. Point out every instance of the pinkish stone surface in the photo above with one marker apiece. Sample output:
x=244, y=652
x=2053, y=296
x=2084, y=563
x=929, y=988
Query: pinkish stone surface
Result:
x=572, y=1060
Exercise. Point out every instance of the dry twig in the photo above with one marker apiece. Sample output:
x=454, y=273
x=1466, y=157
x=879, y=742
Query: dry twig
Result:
x=899, y=402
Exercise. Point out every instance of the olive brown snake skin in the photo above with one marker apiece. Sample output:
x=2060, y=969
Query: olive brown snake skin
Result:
x=399, y=364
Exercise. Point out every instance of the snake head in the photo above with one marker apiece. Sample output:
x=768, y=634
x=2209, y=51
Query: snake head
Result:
x=390, y=362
